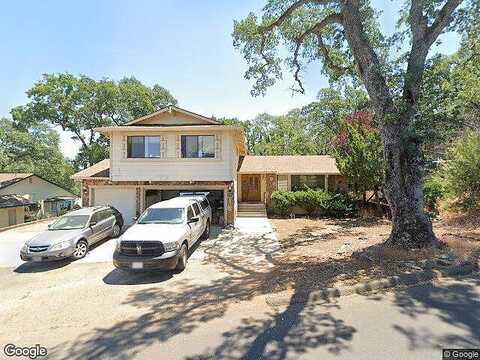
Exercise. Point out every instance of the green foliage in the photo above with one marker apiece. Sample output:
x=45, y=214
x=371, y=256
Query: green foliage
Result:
x=261, y=49
x=450, y=99
x=314, y=202
x=358, y=153
x=305, y=131
x=36, y=151
x=80, y=104
x=461, y=170
x=434, y=189
x=282, y=202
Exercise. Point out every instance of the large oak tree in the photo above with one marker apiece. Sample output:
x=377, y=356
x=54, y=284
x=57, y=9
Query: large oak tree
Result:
x=79, y=104
x=345, y=36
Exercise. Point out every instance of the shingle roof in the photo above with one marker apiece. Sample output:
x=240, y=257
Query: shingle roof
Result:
x=290, y=164
x=7, y=179
x=9, y=201
x=100, y=169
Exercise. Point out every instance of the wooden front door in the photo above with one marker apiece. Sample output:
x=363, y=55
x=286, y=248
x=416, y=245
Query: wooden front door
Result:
x=251, y=188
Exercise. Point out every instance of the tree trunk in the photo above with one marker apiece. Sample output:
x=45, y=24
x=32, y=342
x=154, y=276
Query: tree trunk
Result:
x=411, y=227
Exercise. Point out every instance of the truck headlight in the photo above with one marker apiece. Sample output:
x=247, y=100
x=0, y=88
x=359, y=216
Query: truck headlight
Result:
x=118, y=243
x=25, y=248
x=61, y=245
x=171, y=246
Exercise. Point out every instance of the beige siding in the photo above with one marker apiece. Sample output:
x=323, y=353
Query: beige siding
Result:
x=19, y=215
x=282, y=182
x=35, y=189
x=172, y=118
x=172, y=167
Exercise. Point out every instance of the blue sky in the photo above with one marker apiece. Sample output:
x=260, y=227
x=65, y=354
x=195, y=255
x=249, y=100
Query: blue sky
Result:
x=185, y=46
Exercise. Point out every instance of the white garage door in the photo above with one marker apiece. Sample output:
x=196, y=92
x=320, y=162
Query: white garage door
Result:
x=124, y=199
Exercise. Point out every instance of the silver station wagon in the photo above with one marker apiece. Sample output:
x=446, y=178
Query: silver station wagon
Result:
x=72, y=234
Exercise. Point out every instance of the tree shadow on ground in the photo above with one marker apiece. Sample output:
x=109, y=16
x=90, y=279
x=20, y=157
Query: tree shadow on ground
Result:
x=185, y=305
x=244, y=266
x=456, y=304
x=299, y=328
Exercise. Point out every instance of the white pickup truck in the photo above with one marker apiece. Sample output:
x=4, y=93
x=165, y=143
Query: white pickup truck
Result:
x=163, y=234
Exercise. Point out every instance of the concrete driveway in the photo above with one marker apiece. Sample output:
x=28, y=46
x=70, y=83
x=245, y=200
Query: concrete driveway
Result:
x=217, y=309
x=11, y=242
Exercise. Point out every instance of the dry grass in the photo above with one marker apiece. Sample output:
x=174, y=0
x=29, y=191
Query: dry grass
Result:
x=460, y=231
x=331, y=252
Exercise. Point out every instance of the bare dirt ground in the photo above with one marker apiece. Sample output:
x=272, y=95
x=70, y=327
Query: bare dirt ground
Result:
x=333, y=252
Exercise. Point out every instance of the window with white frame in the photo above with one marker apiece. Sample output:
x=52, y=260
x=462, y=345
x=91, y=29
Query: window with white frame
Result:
x=198, y=146
x=143, y=146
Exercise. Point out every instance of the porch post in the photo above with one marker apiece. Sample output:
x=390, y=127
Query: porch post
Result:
x=326, y=182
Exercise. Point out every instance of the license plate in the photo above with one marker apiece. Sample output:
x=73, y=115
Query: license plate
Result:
x=37, y=258
x=137, y=265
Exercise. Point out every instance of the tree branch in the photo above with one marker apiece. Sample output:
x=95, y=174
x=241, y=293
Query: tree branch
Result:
x=326, y=56
x=283, y=17
x=418, y=21
x=422, y=39
x=367, y=62
x=289, y=11
x=315, y=29
x=442, y=20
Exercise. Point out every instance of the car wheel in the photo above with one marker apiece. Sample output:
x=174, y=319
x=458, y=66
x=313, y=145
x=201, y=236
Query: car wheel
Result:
x=182, y=259
x=206, y=232
x=116, y=230
x=80, y=250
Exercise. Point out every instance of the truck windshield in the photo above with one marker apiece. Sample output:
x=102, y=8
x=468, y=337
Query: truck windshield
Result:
x=70, y=222
x=162, y=216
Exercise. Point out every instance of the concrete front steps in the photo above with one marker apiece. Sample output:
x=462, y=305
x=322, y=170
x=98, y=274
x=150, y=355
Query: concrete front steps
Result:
x=251, y=210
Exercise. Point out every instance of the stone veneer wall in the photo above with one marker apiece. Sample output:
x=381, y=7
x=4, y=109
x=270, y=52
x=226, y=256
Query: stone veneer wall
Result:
x=229, y=200
x=270, y=187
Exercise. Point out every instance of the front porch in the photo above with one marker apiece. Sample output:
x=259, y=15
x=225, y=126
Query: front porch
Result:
x=257, y=188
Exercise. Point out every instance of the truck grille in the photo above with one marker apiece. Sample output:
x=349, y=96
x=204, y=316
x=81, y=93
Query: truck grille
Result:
x=141, y=248
x=36, y=249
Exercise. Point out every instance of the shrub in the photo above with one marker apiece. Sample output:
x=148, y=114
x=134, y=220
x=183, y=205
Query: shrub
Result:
x=462, y=170
x=340, y=205
x=434, y=189
x=282, y=202
x=314, y=202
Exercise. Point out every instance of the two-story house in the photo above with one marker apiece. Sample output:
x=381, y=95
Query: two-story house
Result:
x=171, y=151
x=158, y=156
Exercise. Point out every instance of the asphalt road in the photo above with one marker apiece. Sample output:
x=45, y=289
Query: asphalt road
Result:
x=216, y=309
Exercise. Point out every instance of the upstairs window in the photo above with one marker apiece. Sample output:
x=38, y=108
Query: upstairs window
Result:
x=198, y=146
x=143, y=147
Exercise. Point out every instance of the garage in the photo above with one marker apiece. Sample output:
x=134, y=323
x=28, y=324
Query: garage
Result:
x=124, y=199
x=215, y=197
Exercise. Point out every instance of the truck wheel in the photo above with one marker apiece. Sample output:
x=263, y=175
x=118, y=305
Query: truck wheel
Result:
x=182, y=259
x=80, y=250
x=206, y=232
x=116, y=231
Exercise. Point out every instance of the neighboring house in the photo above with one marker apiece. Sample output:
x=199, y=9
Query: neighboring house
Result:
x=59, y=205
x=34, y=188
x=161, y=155
x=12, y=210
